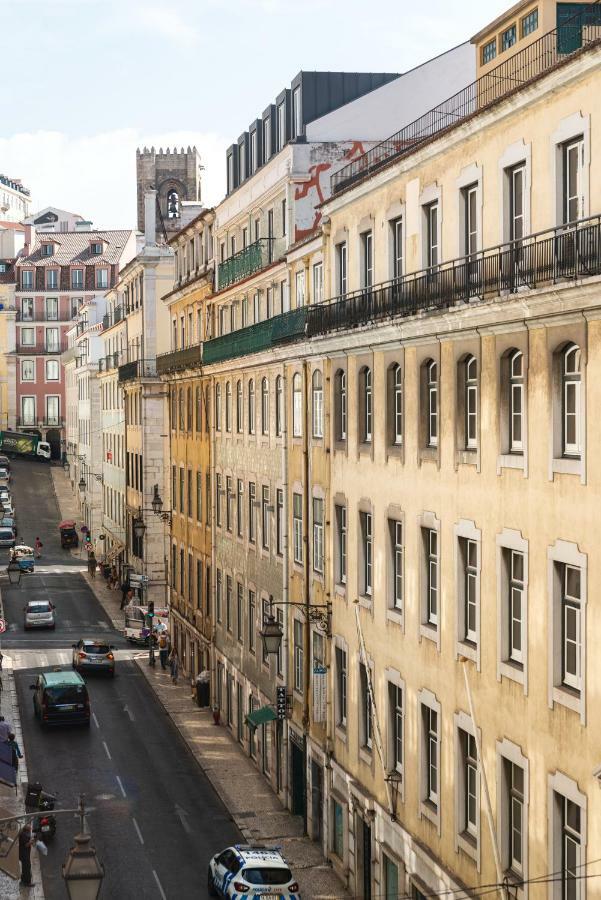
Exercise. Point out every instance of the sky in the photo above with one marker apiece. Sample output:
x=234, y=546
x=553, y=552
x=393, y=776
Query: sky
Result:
x=85, y=82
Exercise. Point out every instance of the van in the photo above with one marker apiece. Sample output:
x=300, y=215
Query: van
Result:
x=7, y=536
x=61, y=698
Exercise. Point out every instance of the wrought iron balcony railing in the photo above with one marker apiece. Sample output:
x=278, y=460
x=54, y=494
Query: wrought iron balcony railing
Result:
x=110, y=361
x=288, y=326
x=248, y=261
x=110, y=319
x=178, y=360
x=580, y=31
x=138, y=368
x=571, y=252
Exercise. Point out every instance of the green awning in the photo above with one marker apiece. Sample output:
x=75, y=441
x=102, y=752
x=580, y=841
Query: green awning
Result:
x=260, y=717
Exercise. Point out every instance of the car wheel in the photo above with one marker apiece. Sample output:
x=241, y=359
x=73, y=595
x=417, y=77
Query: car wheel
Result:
x=211, y=885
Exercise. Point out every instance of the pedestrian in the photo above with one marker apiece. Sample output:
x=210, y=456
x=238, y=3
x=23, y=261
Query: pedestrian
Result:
x=163, y=649
x=174, y=666
x=5, y=729
x=113, y=578
x=17, y=755
x=25, y=844
x=92, y=564
x=124, y=593
x=38, y=548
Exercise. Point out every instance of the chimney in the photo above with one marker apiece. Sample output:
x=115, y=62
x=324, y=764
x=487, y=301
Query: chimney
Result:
x=150, y=217
x=27, y=242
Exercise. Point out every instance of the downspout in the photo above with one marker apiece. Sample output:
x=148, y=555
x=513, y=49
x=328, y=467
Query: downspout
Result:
x=285, y=576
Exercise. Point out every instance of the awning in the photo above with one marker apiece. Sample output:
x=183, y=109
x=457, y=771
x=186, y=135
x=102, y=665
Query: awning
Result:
x=260, y=717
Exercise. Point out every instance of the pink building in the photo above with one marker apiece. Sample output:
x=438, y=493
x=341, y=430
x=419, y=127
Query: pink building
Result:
x=57, y=274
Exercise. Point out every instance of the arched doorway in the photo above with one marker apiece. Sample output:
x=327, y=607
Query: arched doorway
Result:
x=53, y=436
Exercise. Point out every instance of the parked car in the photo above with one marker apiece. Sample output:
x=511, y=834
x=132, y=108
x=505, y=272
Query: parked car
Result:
x=8, y=522
x=8, y=507
x=251, y=871
x=5, y=462
x=61, y=697
x=39, y=614
x=94, y=654
x=7, y=535
x=4, y=474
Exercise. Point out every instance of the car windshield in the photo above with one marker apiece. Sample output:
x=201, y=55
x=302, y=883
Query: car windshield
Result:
x=96, y=648
x=6, y=534
x=65, y=693
x=264, y=876
x=38, y=607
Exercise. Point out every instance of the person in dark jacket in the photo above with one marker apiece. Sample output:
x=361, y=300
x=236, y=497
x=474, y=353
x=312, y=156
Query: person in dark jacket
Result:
x=25, y=845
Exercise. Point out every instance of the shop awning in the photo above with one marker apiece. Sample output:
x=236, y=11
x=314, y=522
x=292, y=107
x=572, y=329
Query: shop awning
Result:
x=260, y=716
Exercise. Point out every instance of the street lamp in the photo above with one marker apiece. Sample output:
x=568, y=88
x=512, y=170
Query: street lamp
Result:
x=13, y=571
x=139, y=528
x=82, y=871
x=271, y=634
x=157, y=506
x=82, y=485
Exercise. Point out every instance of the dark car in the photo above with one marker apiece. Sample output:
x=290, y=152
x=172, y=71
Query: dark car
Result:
x=60, y=698
x=68, y=532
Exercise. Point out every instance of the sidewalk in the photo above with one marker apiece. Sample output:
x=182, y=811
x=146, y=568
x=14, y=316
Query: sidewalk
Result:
x=254, y=807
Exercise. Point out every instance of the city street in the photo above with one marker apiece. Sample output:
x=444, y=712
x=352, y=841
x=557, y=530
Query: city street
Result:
x=156, y=819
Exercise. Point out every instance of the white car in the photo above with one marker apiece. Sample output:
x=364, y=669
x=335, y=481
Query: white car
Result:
x=245, y=871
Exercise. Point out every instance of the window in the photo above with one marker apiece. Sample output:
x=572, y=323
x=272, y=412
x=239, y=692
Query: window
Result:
x=341, y=687
x=47, y=249
x=279, y=406
x=395, y=530
x=341, y=268
x=239, y=407
x=318, y=283
x=431, y=370
x=297, y=122
x=571, y=849
x=571, y=618
x=27, y=370
x=96, y=249
x=199, y=496
x=228, y=406
x=27, y=309
x=102, y=278
x=265, y=517
x=514, y=562
x=298, y=656
x=366, y=404
x=279, y=523
x=252, y=613
x=284, y=218
x=367, y=250
x=396, y=228
x=300, y=289
x=28, y=416
x=76, y=279
x=229, y=502
x=218, y=495
x=264, y=406
x=395, y=405
x=570, y=396
x=281, y=125
x=508, y=38
x=51, y=279
x=516, y=402
x=431, y=754
x=396, y=727
x=468, y=558
x=514, y=820
x=431, y=213
x=217, y=407
x=251, y=406
x=53, y=410
x=365, y=520
x=470, y=218
x=252, y=153
x=52, y=340
x=366, y=711
x=341, y=544
x=270, y=235
x=516, y=182
x=391, y=879
x=317, y=404
x=252, y=512
x=240, y=508
x=340, y=404
x=240, y=613
x=489, y=51
x=244, y=299
x=297, y=406
x=256, y=307
x=52, y=370
x=530, y=23
x=573, y=164
x=337, y=830
x=297, y=527
x=228, y=602
x=27, y=279
x=470, y=373
x=318, y=535
x=430, y=538
x=52, y=307
x=468, y=780
x=280, y=656
x=198, y=584
x=27, y=337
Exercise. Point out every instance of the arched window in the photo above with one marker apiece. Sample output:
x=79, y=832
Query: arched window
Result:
x=218, y=407
x=431, y=371
x=516, y=402
x=239, y=407
x=395, y=405
x=471, y=402
x=182, y=411
x=228, y=406
x=264, y=406
x=173, y=204
x=340, y=404
x=366, y=404
x=251, y=406
x=570, y=400
x=279, y=406
x=198, y=409
x=317, y=404
x=297, y=406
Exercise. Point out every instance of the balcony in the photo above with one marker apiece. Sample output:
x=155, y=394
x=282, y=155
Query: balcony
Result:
x=139, y=368
x=289, y=326
x=178, y=360
x=248, y=261
x=578, y=34
x=111, y=361
x=53, y=422
x=111, y=319
x=563, y=254
x=41, y=350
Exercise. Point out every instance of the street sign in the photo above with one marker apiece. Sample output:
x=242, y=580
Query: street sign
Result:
x=280, y=702
x=2, y=626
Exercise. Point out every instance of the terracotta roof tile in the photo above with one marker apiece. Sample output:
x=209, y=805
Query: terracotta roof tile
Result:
x=73, y=247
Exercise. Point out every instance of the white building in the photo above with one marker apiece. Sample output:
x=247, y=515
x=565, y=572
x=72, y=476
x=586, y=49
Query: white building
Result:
x=15, y=199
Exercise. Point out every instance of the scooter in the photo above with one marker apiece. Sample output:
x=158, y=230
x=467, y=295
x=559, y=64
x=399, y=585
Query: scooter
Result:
x=36, y=799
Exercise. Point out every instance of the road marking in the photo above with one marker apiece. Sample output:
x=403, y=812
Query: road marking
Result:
x=95, y=721
x=139, y=833
x=127, y=710
x=107, y=750
x=159, y=885
x=182, y=815
x=121, y=786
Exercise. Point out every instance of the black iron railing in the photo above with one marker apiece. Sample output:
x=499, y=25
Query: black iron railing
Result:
x=138, y=368
x=178, y=360
x=110, y=361
x=533, y=61
x=567, y=253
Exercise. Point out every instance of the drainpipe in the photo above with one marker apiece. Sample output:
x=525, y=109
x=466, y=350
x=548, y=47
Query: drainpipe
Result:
x=285, y=575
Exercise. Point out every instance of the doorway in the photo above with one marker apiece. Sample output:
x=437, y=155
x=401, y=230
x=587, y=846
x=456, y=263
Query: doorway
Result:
x=316, y=801
x=363, y=858
x=297, y=759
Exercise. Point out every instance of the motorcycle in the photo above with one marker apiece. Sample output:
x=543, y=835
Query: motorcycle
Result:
x=39, y=800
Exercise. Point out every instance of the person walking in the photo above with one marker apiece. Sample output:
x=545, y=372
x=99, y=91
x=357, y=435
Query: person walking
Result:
x=25, y=845
x=174, y=666
x=38, y=548
x=17, y=755
x=92, y=564
x=6, y=729
x=124, y=593
x=163, y=649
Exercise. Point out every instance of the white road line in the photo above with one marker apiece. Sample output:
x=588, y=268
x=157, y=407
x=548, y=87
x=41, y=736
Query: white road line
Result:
x=96, y=721
x=138, y=832
x=121, y=785
x=159, y=885
x=107, y=750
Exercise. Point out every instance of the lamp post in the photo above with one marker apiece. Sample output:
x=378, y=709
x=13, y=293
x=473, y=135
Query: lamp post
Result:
x=82, y=871
x=271, y=633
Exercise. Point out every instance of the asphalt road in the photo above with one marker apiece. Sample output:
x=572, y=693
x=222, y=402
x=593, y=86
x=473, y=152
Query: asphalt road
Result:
x=156, y=819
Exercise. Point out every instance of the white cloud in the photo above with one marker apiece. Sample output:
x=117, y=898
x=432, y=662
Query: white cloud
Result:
x=96, y=175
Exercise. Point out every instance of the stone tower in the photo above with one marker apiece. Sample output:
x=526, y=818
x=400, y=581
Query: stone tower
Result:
x=175, y=175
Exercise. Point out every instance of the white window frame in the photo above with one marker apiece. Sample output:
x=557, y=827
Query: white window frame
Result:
x=430, y=755
x=317, y=404
x=468, y=541
x=396, y=727
x=318, y=535
x=340, y=404
x=367, y=259
x=297, y=528
x=471, y=403
x=28, y=363
x=341, y=268
x=432, y=410
x=516, y=397
x=571, y=379
x=318, y=282
x=264, y=406
x=365, y=707
x=341, y=517
x=560, y=791
x=467, y=787
x=298, y=655
x=510, y=799
x=567, y=688
x=366, y=536
x=397, y=564
x=297, y=406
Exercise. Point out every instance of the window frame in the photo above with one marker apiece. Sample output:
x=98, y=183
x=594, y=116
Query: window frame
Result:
x=317, y=405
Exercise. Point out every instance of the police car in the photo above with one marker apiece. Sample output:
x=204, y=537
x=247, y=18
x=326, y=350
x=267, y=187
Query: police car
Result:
x=246, y=871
